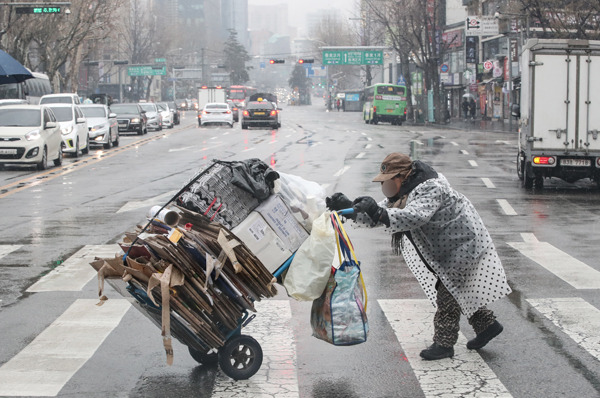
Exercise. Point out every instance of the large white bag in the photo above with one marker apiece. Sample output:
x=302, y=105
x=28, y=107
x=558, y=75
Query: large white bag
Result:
x=309, y=271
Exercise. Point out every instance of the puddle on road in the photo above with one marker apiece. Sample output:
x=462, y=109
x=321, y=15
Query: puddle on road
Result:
x=421, y=147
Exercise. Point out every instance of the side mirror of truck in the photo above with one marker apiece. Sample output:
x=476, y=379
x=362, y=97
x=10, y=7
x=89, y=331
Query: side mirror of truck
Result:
x=515, y=111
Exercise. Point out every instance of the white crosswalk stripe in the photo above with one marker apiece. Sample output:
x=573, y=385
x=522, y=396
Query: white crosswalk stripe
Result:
x=75, y=272
x=574, y=316
x=574, y=272
x=55, y=355
x=277, y=377
x=465, y=375
x=6, y=249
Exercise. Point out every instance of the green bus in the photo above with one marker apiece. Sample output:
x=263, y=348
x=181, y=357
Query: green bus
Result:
x=384, y=103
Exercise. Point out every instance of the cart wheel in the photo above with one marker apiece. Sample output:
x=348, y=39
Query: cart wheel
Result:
x=203, y=357
x=241, y=357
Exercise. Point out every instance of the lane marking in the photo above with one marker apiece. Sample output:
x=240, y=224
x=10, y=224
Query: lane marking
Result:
x=76, y=271
x=148, y=203
x=453, y=143
x=569, y=269
x=6, y=249
x=369, y=139
x=363, y=133
x=368, y=146
x=325, y=186
x=248, y=149
x=506, y=207
x=574, y=316
x=55, y=355
x=341, y=171
x=360, y=155
x=488, y=183
x=464, y=375
x=278, y=375
x=464, y=152
x=274, y=141
x=180, y=149
x=473, y=163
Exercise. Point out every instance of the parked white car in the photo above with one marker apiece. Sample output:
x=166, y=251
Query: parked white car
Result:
x=29, y=134
x=62, y=98
x=103, y=128
x=166, y=114
x=153, y=115
x=74, y=128
x=215, y=113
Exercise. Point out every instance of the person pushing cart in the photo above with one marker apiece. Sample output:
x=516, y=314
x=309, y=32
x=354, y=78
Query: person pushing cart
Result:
x=444, y=243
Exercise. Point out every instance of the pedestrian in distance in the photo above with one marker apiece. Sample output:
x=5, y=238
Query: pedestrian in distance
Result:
x=338, y=104
x=444, y=243
x=465, y=108
x=472, y=108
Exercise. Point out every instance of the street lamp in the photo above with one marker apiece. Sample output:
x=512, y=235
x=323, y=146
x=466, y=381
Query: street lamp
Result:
x=173, y=70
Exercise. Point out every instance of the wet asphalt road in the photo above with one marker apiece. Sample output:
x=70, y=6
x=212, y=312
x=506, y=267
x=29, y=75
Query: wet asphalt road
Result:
x=53, y=214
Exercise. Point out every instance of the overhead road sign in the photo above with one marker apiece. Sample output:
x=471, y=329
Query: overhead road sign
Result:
x=352, y=57
x=37, y=10
x=146, y=70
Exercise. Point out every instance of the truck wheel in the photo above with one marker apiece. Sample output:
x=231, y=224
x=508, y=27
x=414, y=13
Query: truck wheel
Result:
x=538, y=182
x=527, y=179
x=520, y=166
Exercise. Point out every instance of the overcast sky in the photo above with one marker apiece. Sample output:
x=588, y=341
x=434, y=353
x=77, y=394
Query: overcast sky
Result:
x=299, y=8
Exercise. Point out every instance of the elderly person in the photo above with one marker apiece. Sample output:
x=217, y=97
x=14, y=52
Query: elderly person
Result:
x=444, y=243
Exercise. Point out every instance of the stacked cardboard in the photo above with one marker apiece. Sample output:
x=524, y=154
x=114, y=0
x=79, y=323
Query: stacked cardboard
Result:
x=198, y=270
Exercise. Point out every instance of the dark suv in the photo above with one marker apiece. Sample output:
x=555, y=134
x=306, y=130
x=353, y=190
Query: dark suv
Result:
x=131, y=118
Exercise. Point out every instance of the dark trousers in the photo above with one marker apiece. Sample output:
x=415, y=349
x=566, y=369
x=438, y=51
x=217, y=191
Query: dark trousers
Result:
x=447, y=318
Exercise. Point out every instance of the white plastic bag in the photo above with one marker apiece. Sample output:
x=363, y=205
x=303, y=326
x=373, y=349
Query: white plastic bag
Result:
x=309, y=271
x=305, y=198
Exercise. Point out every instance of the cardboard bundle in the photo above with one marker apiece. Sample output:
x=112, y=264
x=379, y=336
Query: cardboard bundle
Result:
x=196, y=271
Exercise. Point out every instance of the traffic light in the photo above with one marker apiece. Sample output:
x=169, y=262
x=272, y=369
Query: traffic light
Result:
x=277, y=61
x=306, y=61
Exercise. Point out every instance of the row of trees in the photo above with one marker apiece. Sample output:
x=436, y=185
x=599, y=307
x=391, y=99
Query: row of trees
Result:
x=98, y=32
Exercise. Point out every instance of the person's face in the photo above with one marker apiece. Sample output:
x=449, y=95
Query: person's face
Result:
x=391, y=187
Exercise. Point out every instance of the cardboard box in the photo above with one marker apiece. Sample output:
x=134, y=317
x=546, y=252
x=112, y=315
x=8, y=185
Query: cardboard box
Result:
x=281, y=219
x=262, y=240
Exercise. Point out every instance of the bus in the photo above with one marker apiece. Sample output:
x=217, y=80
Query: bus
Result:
x=384, y=103
x=239, y=94
x=29, y=91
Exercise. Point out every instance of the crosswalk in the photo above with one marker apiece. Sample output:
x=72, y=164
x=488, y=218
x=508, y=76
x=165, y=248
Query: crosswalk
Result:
x=49, y=362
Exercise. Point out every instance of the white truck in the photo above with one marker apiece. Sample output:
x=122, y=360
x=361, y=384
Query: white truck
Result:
x=559, y=111
x=208, y=95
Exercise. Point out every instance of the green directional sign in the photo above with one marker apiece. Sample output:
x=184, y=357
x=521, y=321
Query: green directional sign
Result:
x=352, y=57
x=147, y=70
x=160, y=60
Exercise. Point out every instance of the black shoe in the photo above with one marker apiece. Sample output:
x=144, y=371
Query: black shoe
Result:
x=436, y=351
x=484, y=337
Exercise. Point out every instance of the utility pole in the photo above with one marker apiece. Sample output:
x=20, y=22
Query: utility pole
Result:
x=203, y=67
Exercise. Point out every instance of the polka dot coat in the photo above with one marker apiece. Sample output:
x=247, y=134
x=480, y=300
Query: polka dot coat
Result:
x=450, y=235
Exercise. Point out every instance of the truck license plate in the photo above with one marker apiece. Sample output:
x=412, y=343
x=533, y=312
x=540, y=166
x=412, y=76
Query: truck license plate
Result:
x=575, y=162
x=8, y=151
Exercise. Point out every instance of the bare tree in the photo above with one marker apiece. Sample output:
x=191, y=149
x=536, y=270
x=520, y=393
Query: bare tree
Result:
x=414, y=30
x=578, y=19
x=58, y=39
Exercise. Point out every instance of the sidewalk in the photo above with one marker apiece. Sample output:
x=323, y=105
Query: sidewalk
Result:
x=477, y=124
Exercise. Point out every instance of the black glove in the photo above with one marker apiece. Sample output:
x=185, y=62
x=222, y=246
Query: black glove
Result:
x=368, y=205
x=338, y=201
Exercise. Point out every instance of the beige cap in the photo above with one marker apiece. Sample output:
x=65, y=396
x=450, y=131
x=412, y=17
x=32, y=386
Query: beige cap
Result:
x=394, y=164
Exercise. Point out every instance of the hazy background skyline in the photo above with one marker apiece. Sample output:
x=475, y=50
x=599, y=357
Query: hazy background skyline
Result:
x=298, y=9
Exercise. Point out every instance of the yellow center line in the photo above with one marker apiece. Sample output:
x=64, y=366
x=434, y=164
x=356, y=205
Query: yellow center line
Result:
x=49, y=175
